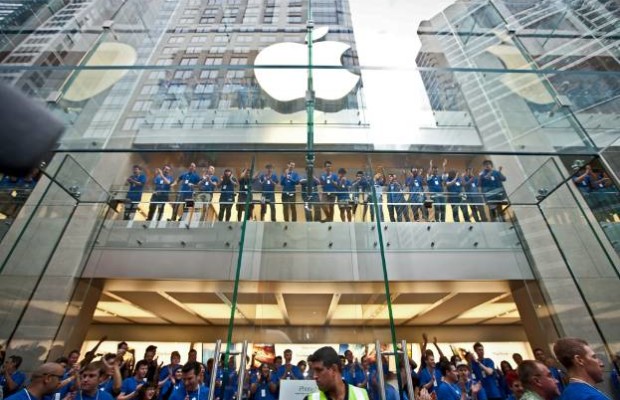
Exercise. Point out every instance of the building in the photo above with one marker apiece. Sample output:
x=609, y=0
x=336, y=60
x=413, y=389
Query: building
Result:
x=532, y=86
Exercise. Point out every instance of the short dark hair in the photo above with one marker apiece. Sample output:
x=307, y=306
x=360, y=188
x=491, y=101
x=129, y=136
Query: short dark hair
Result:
x=192, y=351
x=150, y=348
x=288, y=351
x=359, y=173
x=567, y=348
x=175, y=354
x=444, y=367
x=527, y=370
x=97, y=366
x=342, y=171
x=485, y=162
x=538, y=349
x=327, y=162
x=137, y=166
x=118, y=346
x=109, y=356
x=478, y=344
x=327, y=355
x=17, y=360
x=62, y=360
x=268, y=166
x=74, y=351
x=141, y=363
x=191, y=366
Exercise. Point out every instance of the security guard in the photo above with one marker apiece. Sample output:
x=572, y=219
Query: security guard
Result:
x=326, y=370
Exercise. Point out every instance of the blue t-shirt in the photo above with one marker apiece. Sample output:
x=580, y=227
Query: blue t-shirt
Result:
x=395, y=194
x=342, y=189
x=425, y=377
x=490, y=383
x=135, y=189
x=353, y=374
x=169, y=389
x=268, y=184
x=482, y=394
x=227, y=190
x=208, y=183
x=295, y=372
x=262, y=389
x=491, y=180
x=415, y=184
x=161, y=185
x=187, y=180
x=99, y=395
x=448, y=391
x=585, y=185
x=581, y=391
x=107, y=386
x=21, y=395
x=457, y=187
x=391, y=393
x=328, y=181
x=18, y=377
x=202, y=393
x=289, y=181
x=130, y=384
x=435, y=183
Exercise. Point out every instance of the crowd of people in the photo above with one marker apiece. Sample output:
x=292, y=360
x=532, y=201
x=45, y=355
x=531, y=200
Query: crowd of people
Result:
x=414, y=195
x=338, y=377
x=600, y=193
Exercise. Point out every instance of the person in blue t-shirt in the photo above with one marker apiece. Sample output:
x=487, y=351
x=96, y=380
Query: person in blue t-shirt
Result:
x=263, y=386
x=467, y=383
x=352, y=372
x=435, y=186
x=185, y=195
x=585, y=369
x=328, y=182
x=227, y=185
x=175, y=362
x=343, y=194
x=429, y=375
x=474, y=198
x=583, y=179
x=288, y=370
x=312, y=206
x=449, y=388
x=134, y=195
x=397, y=210
x=171, y=383
x=90, y=378
x=44, y=381
x=415, y=184
x=162, y=182
x=245, y=183
x=454, y=187
x=490, y=183
x=483, y=369
x=132, y=385
x=191, y=389
x=360, y=188
x=206, y=187
x=268, y=181
x=11, y=378
x=289, y=181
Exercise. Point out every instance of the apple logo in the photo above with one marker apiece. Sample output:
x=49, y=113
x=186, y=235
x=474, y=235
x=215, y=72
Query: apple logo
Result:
x=288, y=84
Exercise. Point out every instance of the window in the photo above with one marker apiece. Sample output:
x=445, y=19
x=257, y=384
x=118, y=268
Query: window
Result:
x=203, y=88
x=193, y=50
x=142, y=105
x=207, y=20
x=189, y=61
x=229, y=20
x=183, y=74
x=221, y=39
x=149, y=89
x=169, y=50
x=186, y=21
x=190, y=11
x=238, y=61
x=199, y=39
x=250, y=19
x=217, y=50
x=267, y=39
x=176, y=39
x=235, y=74
x=200, y=104
x=132, y=124
x=213, y=61
x=211, y=11
x=164, y=61
x=209, y=74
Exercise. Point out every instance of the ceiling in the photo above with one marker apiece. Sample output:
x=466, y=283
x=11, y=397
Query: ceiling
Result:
x=306, y=303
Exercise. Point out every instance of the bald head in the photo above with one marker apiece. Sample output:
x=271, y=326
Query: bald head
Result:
x=46, y=379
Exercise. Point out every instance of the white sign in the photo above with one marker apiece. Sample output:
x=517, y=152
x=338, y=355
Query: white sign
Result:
x=297, y=389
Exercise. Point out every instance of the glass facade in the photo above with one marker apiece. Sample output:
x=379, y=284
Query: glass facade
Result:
x=409, y=98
